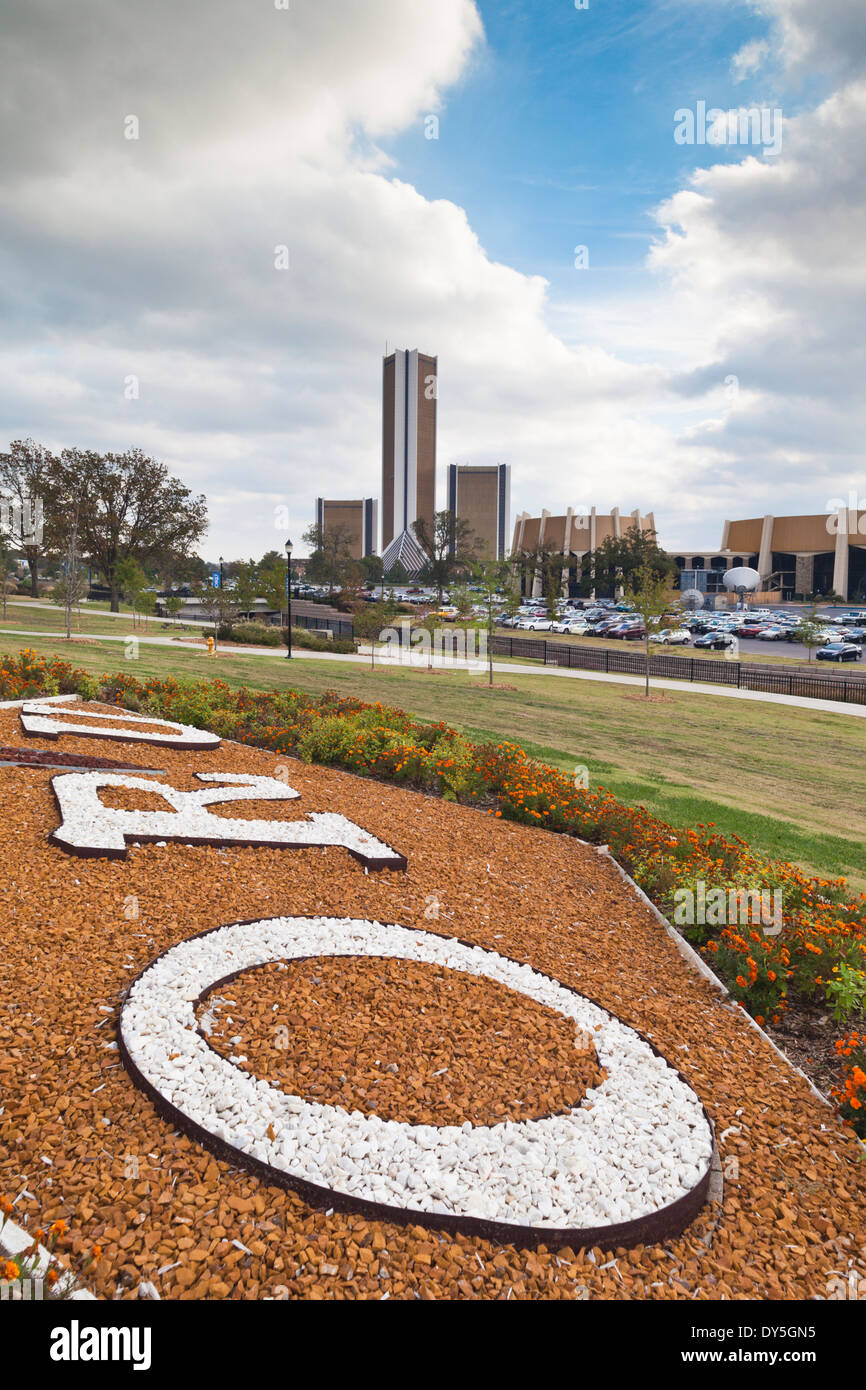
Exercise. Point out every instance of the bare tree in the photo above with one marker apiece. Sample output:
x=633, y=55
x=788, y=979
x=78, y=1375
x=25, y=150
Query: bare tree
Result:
x=72, y=588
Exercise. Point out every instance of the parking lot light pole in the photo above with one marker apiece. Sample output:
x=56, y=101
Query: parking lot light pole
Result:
x=289, y=600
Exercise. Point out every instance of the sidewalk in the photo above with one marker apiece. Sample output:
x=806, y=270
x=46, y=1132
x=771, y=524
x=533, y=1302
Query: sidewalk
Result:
x=499, y=667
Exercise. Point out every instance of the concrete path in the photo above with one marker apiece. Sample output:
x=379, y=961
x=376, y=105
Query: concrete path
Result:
x=500, y=667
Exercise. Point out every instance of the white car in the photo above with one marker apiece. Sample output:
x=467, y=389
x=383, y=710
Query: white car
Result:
x=673, y=637
x=538, y=625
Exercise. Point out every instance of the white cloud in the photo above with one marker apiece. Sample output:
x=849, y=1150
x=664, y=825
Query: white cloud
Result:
x=261, y=387
x=749, y=59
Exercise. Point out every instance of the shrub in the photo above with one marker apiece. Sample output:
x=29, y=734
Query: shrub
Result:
x=250, y=634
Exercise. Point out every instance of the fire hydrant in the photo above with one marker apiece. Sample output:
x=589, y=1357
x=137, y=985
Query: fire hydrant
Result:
x=210, y=646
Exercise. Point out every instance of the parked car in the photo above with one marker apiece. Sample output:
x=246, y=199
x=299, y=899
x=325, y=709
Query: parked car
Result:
x=716, y=641
x=673, y=637
x=840, y=651
x=772, y=634
x=537, y=625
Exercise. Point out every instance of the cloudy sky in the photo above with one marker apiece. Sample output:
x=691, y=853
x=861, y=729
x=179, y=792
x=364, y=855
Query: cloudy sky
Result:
x=702, y=356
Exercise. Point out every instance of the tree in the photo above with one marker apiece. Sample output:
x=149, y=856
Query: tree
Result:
x=173, y=605
x=450, y=547
x=397, y=576
x=810, y=628
x=542, y=568
x=493, y=579
x=619, y=559
x=373, y=570
x=218, y=605
x=370, y=621
x=72, y=588
x=173, y=569
x=332, y=559
x=651, y=595
x=5, y=564
x=272, y=582
x=245, y=589
x=131, y=582
x=27, y=478
x=131, y=507
x=270, y=559
x=147, y=605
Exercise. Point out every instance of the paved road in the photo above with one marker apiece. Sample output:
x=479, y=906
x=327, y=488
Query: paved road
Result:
x=500, y=667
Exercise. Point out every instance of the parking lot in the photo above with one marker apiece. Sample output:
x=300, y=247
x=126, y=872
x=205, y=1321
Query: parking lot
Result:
x=832, y=638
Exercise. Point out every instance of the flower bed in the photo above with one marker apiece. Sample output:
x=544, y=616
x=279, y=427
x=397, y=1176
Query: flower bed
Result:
x=160, y=1204
x=814, y=952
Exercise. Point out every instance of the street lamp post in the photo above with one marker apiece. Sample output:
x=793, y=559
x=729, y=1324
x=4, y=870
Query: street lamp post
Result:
x=289, y=600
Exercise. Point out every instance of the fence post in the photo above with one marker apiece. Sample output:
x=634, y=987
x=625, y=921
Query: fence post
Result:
x=790, y=685
x=739, y=674
x=692, y=671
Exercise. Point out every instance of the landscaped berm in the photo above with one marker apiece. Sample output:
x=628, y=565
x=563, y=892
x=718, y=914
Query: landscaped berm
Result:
x=272, y=1030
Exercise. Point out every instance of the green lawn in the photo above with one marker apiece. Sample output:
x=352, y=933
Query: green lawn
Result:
x=791, y=781
x=94, y=618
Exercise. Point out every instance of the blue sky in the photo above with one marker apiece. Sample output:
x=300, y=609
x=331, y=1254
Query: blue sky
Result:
x=561, y=133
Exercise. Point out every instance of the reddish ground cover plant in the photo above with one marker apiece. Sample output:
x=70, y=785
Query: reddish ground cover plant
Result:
x=820, y=930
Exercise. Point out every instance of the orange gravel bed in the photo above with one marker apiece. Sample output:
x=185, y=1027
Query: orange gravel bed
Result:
x=79, y=1141
x=354, y=1032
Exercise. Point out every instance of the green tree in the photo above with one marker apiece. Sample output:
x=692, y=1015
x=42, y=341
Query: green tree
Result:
x=131, y=582
x=131, y=508
x=373, y=570
x=651, y=595
x=494, y=579
x=450, y=547
x=619, y=559
x=173, y=605
x=331, y=560
x=147, y=605
x=245, y=589
x=810, y=628
x=370, y=621
x=272, y=582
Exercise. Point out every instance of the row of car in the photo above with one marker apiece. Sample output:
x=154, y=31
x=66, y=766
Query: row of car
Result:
x=706, y=631
x=834, y=642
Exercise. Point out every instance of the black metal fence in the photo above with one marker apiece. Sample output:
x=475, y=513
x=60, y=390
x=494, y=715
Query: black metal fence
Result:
x=850, y=689
x=339, y=627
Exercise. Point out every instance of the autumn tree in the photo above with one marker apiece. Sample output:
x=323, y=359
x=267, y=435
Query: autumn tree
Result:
x=130, y=507
x=27, y=482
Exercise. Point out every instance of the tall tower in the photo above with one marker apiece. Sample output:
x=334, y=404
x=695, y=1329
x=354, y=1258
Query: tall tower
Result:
x=410, y=382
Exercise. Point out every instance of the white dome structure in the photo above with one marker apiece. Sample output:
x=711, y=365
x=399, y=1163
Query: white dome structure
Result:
x=742, y=580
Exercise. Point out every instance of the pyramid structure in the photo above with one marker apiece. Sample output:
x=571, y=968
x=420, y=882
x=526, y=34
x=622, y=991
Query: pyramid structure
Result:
x=405, y=550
